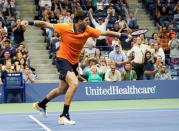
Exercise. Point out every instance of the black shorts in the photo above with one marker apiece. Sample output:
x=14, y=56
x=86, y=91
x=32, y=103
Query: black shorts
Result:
x=64, y=66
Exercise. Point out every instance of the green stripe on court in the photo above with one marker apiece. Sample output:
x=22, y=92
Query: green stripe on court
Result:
x=96, y=105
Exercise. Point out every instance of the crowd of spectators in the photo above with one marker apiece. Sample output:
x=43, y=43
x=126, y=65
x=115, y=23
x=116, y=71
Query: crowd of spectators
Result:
x=14, y=56
x=153, y=57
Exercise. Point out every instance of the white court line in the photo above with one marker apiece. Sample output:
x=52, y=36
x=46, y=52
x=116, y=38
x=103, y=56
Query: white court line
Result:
x=40, y=123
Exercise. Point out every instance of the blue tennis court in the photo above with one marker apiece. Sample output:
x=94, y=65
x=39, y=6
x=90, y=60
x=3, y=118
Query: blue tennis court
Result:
x=98, y=120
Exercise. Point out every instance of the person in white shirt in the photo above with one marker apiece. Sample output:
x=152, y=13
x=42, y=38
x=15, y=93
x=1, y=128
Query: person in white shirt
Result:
x=99, y=24
x=138, y=51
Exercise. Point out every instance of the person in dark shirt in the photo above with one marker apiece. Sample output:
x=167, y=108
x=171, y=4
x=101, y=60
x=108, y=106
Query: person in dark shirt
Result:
x=18, y=31
x=149, y=70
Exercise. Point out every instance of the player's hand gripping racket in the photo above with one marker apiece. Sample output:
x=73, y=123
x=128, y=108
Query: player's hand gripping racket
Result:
x=136, y=33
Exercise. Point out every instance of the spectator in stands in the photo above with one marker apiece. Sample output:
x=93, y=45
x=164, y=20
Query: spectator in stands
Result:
x=66, y=4
x=7, y=68
x=97, y=54
x=138, y=51
x=23, y=63
x=118, y=57
x=108, y=62
x=124, y=28
x=128, y=73
x=18, y=31
x=102, y=66
x=81, y=76
x=90, y=49
x=158, y=51
x=17, y=67
x=1, y=3
x=115, y=27
x=101, y=41
x=21, y=48
x=54, y=44
x=131, y=19
x=100, y=5
x=112, y=74
x=28, y=76
x=163, y=74
x=115, y=42
x=88, y=4
x=93, y=75
x=164, y=39
x=2, y=17
x=67, y=18
x=162, y=12
x=89, y=62
x=52, y=17
x=9, y=8
x=120, y=21
x=6, y=57
x=174, y=48
x=117, y=6
x=176, y=11
x=45, y=13
x=18, y=56
x=158, y=63
x=173, y=25
x=6, y=46
x=76, y=7
x=154, y=38
x=111, y=10
x=44, y=4
x=3, y=31
x=149, y=70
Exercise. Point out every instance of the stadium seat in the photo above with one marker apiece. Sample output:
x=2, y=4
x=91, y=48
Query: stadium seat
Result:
x=13, y=82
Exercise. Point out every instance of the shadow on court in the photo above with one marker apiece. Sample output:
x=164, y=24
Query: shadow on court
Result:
x=102, y=120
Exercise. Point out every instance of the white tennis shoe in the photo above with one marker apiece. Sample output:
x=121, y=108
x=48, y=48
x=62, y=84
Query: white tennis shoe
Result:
x=42, y=111
x=63, y=120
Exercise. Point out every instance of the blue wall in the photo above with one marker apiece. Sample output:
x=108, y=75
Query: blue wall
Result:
x=109, y=90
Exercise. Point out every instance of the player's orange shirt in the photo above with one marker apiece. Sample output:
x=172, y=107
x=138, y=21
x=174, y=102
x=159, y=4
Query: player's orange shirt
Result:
x=72, y=42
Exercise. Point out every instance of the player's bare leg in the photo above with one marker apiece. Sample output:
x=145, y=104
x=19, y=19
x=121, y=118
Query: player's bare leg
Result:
x=72, y=81
x=41, y=106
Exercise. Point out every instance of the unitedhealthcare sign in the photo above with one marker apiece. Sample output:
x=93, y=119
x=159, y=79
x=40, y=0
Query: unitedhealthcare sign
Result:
x=139, y=89
x=116, y=90
x=128, y=90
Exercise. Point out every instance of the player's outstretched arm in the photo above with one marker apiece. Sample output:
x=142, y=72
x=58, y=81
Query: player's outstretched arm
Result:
x=116, y=34
x=37, y=23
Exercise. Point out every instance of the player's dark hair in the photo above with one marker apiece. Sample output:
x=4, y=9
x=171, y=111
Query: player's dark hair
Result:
x=80, y=16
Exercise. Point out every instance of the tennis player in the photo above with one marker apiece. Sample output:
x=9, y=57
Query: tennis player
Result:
x=73, y=37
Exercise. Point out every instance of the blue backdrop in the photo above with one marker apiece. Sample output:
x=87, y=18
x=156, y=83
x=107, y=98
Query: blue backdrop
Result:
x=108, y=90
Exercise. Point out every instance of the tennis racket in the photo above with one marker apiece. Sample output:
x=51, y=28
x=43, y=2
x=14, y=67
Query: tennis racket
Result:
x=139, y=32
